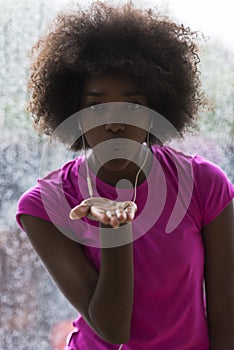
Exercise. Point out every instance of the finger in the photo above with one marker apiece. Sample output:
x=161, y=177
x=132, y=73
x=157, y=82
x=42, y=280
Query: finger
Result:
x=79, y=212
x=100, y=215
x=121, y=215
x=131, y=211
x=113, y=220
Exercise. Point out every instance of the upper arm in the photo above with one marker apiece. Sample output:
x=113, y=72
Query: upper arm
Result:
x=65, y=260
x=218, y=239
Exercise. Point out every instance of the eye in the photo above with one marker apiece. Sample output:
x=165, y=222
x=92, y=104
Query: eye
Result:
x=95, y=106
x=133, y=106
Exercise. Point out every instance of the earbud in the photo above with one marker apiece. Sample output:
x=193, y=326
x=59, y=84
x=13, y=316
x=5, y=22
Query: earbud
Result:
x=151, y=125
x=79, y=126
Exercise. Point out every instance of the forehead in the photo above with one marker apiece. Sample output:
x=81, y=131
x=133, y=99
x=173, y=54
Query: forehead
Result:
x=112, y=82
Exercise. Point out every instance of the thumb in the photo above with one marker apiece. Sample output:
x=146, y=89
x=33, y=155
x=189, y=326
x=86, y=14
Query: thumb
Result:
x=79, y=212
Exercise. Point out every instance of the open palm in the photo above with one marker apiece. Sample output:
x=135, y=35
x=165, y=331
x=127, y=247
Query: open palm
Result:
x=105, y=211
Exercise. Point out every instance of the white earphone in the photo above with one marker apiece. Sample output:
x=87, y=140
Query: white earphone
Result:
x=151, y=125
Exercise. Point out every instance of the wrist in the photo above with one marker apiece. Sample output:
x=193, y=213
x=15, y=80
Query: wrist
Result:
x=114, y=237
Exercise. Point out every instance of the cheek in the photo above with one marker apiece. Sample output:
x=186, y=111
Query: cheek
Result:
x=138, y=134
x=93, y=137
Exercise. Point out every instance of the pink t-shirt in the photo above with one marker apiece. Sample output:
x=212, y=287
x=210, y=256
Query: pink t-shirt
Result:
x=182, y=194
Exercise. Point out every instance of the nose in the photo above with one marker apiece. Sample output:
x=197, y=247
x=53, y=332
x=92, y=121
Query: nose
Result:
x=114, y=127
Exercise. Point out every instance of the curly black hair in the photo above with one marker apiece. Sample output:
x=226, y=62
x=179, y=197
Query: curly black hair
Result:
x=143, y=44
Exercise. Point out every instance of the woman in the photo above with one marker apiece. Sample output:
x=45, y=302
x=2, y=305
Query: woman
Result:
x=130, y=231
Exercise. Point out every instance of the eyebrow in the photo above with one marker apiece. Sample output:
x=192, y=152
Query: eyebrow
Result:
x=100, y=94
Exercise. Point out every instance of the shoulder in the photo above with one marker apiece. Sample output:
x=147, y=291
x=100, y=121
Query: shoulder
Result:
x=212, y=189
x=170, y=156
x=210, y=175
x=51, y=179
x=68, y=169
x=176, y=165
x=203, y=168
x=50, y=194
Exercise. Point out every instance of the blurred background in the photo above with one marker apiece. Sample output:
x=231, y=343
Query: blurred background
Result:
x=33, y=312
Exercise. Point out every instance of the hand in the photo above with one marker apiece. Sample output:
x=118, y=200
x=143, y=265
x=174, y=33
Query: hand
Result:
x=105, y=211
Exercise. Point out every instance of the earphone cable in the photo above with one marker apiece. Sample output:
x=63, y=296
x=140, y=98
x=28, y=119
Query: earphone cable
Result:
x=138, y=173
x=89, y=183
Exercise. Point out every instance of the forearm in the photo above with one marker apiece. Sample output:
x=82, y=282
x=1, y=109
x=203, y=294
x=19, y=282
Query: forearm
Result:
x=110, y=309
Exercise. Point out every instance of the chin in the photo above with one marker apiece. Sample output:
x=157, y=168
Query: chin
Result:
x=116, y=165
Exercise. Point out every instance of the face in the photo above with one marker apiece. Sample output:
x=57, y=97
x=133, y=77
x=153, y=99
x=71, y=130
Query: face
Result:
x=113, y=118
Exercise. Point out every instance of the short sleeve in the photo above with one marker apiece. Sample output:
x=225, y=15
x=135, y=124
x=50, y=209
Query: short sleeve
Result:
x=214, y=189
x=31, y=203
x=47, y=201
